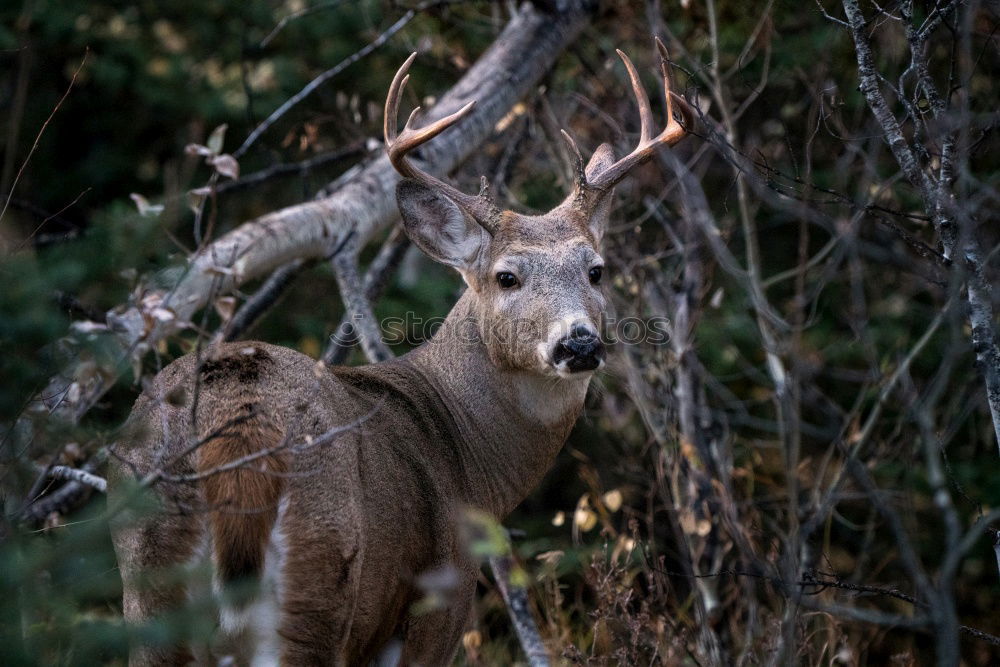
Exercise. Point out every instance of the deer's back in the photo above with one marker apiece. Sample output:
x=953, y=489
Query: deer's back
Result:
x=365, y=464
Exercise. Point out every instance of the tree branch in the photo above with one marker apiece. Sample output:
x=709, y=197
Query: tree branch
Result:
x=264, y=298
x=78, y=475
x=937, y=198
x=69, y=496
x=516, y=599
x=359, y=313
x=376, y=278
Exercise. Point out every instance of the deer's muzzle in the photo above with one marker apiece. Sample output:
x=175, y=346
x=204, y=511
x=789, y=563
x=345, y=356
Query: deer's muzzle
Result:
x=579, y=351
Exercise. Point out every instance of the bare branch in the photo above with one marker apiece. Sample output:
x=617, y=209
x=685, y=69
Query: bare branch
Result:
x=41, y=131
x=516, y=598
x=376, y=279
x=264, y=298
x=78, y=475
x=359, y=307
x=285, y=20
x=67, y=497
x=286, y=444
x=870, y=78
x=321, y=79
x=936, y=195
x=302, y=168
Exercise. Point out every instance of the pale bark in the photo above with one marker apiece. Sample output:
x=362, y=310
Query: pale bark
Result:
x=375, y=281
x=78, y=475
x=516, y=598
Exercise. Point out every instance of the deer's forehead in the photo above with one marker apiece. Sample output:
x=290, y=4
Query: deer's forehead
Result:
x=572, y=250
x=542, y=236
x=542, y=230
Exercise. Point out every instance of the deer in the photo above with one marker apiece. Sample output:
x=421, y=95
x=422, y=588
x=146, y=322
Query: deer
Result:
x=335, y=489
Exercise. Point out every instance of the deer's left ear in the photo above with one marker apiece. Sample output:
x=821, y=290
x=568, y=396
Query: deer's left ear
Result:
x=602, y=158
x=439, y=227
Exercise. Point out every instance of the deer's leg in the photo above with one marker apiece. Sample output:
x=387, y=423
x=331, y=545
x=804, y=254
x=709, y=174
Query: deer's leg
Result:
x=432, y=639
x=150, y=551
x=319, y=590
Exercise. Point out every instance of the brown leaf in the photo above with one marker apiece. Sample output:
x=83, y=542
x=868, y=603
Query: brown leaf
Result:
x=198, y=149
x=216, y=138
x=145, y=208
x=196, y=198
x=227, y=166
x=225, y=306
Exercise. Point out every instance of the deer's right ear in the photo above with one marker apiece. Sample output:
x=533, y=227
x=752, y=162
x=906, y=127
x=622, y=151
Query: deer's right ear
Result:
x=602, y=159
x=439, y=227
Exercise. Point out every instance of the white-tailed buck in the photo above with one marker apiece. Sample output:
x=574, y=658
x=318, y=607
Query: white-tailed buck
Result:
x=336, y=488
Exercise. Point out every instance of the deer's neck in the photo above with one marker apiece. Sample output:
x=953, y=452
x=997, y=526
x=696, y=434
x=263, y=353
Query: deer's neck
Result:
x=512, y=423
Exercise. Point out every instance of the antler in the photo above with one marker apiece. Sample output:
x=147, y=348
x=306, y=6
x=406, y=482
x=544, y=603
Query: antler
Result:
x=482, y=208
x=606, y=179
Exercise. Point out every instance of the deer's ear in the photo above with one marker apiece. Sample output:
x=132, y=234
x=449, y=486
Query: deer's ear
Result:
x=602, y=158
x=438, y=226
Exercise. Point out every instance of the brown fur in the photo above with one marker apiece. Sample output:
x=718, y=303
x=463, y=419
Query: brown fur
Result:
x=243, y=501
x=367, y=513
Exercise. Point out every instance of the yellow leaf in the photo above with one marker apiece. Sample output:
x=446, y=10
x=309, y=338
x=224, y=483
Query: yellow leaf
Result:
x=612, y=500
x=584, y=518
x=472, y=640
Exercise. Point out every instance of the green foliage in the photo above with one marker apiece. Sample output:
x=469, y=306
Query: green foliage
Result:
x=54, y=592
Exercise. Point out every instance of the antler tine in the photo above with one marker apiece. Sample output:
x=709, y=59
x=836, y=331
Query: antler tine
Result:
x=673, y=127
x=399, y=144
x=665, y=75
x=641, y=100
x=580, y=171
x=410, y=138
x=648, y=144
x=392, y=100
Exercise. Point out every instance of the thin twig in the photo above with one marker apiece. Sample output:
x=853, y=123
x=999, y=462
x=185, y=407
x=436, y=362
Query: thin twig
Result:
x=54, y=216
x=286, y=444
x=354, y=149
x=297, y=15
x=321, y=79
x=38, y=137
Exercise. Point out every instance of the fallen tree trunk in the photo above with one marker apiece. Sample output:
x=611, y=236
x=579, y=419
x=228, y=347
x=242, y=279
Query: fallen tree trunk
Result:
x=356, y=207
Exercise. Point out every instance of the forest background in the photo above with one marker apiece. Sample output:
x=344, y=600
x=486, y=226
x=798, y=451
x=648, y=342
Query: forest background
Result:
x=806, y=472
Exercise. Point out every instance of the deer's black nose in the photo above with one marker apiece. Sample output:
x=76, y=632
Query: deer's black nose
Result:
x=581, y=349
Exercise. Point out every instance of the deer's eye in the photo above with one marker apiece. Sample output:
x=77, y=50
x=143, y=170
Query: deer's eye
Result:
x=595, y=275
x=506, y=280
